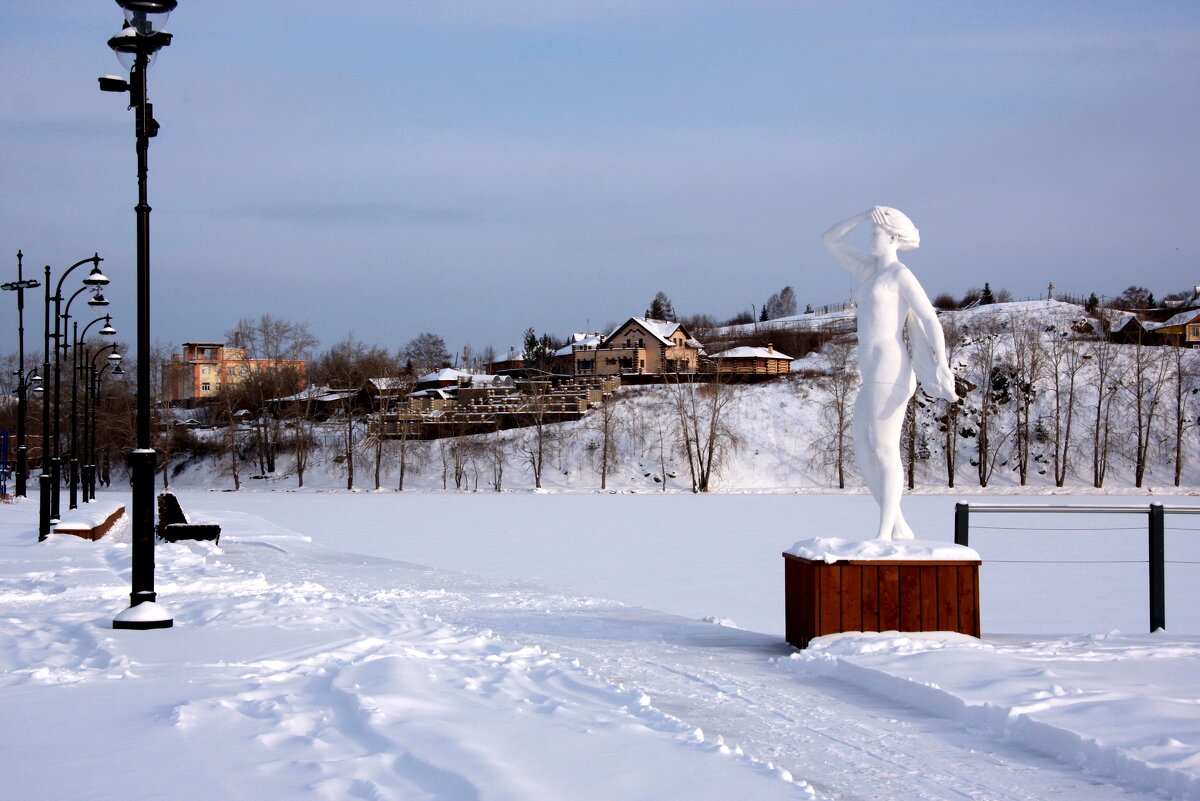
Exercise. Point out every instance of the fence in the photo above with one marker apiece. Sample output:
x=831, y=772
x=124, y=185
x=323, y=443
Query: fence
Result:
x=1155, y=526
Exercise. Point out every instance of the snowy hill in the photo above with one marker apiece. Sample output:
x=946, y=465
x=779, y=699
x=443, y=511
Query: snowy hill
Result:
x=1028, y=371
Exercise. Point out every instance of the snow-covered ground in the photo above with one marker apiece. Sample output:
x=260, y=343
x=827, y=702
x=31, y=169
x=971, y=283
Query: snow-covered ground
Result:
x=584, y=646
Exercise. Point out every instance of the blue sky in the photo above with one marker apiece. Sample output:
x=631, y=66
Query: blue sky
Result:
x=476, y=168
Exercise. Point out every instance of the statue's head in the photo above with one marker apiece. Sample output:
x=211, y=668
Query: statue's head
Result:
x=896, y=225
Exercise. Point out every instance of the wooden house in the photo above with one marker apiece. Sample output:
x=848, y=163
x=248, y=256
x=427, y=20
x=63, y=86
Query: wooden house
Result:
x=759, y=361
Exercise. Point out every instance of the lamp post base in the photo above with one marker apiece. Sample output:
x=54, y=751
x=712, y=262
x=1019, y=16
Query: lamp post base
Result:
x=146, y=615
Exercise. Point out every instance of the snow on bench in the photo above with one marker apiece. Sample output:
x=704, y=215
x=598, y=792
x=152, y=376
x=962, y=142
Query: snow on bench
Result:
x=91, y=522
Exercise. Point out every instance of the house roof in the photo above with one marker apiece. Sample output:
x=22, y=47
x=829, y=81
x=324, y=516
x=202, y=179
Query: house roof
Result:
x=445, y=374
x=579, y=341
x=662, y=329
x=386, y=383
x=1179, y=319
x=312, y=392
x=751, y=353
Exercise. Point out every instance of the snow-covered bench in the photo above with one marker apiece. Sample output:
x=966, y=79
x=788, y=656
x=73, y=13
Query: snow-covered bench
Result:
x=92, y=521
x=173, y=524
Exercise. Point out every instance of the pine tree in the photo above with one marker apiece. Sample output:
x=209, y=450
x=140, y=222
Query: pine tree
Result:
x=661, y=308
x=986, y=296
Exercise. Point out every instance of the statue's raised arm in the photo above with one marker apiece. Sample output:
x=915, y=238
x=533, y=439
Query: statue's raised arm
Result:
x=851, y=258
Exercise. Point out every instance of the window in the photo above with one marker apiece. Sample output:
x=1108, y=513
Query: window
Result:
x=1193, y=332
x=205, y=387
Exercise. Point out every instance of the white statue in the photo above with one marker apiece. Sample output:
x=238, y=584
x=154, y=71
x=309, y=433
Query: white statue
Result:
x=889, y=299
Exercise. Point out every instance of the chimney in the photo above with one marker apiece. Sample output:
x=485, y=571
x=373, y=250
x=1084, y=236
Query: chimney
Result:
x=770, y=347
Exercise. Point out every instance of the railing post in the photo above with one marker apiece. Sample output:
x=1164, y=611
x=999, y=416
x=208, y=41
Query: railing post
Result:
x=962, y=523
x=1158, y=594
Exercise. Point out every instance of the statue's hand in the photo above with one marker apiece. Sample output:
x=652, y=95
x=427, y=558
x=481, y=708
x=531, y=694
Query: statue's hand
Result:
x=879, y=215
x=943, y=386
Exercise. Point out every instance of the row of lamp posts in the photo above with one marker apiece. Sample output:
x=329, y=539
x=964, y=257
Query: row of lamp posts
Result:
x=135, y=47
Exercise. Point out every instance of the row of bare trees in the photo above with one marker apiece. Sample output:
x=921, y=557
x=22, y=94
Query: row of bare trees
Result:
x=1036, y=399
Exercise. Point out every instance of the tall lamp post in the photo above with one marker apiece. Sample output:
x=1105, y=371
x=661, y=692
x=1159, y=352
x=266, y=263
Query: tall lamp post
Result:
x=135, y=46
x=90, y=407
x=23, y=380
x=48, y=481
x=92, y=282
x=78, y=356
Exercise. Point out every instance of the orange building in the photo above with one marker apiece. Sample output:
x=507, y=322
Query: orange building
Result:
x=202, y=369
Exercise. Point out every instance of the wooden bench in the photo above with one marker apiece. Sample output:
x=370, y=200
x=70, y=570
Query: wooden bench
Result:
x=173, y=524
x=91, y=522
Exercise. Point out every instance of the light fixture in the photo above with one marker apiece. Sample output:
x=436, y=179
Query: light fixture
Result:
x=114, y=358
x=107, y=330
x=96, y=278
x=98, y=300
x=147, y=17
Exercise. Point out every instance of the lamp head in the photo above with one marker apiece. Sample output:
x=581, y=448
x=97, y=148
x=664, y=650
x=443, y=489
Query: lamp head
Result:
x=114, y=358
x=98, y=300
x=96, y=278
x=108, y=330
x=147, y=17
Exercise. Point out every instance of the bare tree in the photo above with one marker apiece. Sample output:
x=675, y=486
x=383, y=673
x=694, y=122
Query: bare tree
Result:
x=991, y=378
x=604, y=422
x=1183, y=376
x=1026, y=376
x=703, y=432
x=1144, y=387
x=1104, y=356
x=348, y=366
x=1064, y=360
x=539, y=439
x=426, y=352
x=834, y=443
x=949, y=421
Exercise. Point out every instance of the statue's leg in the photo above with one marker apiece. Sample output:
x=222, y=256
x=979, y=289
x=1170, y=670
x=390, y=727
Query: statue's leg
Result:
x=890, y=479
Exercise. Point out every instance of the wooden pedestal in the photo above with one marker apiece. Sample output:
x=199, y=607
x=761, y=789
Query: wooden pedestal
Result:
x=883, y=595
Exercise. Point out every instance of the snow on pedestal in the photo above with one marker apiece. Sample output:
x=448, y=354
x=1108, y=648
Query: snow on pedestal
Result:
x=834, y=585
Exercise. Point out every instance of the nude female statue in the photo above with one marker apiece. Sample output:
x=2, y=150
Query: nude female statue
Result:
x=889, y=299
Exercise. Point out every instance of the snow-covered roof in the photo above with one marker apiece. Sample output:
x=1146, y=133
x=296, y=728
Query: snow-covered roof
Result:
x=580, y=342
x=658, y=328
x=445, y=374
x=1125, y=320
x=1178, y=319
x=746, y=352
x=387, y=383
x=312, y=392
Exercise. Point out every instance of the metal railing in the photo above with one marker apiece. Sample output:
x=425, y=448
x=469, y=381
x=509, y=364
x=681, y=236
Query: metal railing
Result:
x=1155, y=526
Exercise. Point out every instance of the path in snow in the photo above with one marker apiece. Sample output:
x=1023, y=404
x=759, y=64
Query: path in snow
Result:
x=725, y=682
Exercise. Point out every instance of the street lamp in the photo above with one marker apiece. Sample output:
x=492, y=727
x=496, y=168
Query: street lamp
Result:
x=48, y=481
x=78, y=355
x=91, y=397
x=135, y=47
x=92, y=283
x=19, y=286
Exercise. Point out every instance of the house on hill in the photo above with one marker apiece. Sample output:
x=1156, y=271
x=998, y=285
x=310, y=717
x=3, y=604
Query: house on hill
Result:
x=759, y=361
x=1181, y=329
x=642, y=345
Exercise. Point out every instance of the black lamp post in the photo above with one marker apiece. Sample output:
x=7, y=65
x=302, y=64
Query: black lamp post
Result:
x=93, y=282
x=48, y=481
x=19, y=286
x=91, y=398
x=78, y=355
x=135, y=46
